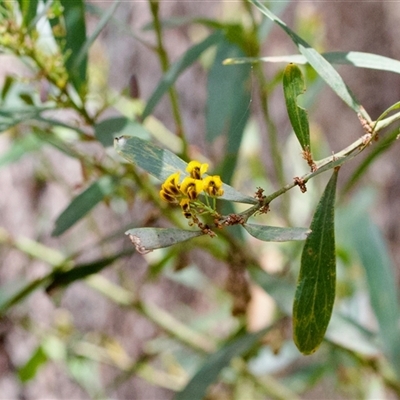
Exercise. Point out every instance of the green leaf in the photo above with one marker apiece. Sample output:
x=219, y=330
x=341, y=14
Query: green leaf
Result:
x=228, y=101
x=379, y=148
x=177, y=68
x=106, y=131
x=29, y=370
x=275, y=233
x=341, y=331
x=28, y=10
x=148, y=239
x=83, y=203
x=370, y=246
x=61, y=278
x=161, y=163
x=318, y=62
x=208, y=373
x=19, y=148
x=10, y=117
x=75, y=38
x=293, y=86
x=83, y=52
x=354, y=58
x=315, y=292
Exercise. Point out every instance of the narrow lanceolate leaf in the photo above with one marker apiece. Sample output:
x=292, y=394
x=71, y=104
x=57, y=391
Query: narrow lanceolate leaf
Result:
x=197, y=387
x=161, y=163
x=293, y=86
x=148, y=239
x=324, y=69
x=83, y=203
x=315, y=293
x=275, y=233
x=75, y=38
x=177, y=68
x=355, y=58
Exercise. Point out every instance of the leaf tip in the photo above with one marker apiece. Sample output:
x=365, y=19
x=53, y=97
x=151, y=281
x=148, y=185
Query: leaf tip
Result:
x=137, y=242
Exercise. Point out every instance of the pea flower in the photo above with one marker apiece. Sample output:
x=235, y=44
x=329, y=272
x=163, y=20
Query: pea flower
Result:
x=191, y=187
x=196, y=169
x=212, y=185
x=170, y=189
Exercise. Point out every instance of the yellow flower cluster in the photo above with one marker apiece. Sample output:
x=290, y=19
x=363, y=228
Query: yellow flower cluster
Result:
x=186, y=193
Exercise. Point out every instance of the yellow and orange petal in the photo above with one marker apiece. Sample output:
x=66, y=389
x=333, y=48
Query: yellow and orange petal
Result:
x=196, y=169
x=212, y=185
x=168, y=197
x=171, y=184
x=191, y=187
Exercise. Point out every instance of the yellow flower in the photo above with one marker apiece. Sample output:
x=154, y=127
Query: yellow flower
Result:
x=212, y=185
x=196, y=169
x=191, y=187
x=185, y=205
x=170, y=188
x=167, y=197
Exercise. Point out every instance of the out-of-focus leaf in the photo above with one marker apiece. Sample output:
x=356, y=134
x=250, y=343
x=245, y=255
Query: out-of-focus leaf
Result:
x=228, y=101
x=177, y=68
x=318, y=62
x=208, y=373
x=369, y=243
x=83, y=203
x=8, y=82
x=86, y=373
x=21, y=293
x=354, y=58
x=382, y=121
x=28, y=10
x=83, y=52
x=341, y=331
x=75, y=38
x=29, y=370
x=13, y=116
x=293, y=86
x=106, y=131
x=60, y=278
x=275, y=233
x=315, y=292
x=379, y=148
x=19, y=148
x=148, y=239
x=161, y=163
x=278, y=288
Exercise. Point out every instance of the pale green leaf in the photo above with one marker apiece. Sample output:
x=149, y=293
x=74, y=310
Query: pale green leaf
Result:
x=148, y=239
x=354, y=58
x=275, y=233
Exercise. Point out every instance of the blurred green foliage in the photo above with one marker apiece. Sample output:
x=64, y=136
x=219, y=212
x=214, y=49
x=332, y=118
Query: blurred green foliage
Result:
x=194, y=355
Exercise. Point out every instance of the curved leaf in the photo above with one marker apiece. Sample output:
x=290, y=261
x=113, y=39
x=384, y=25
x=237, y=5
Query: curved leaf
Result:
x=228, y=100
x=83, y=203
x=355, y=58
x=318, y=62
x=276, y=234
x=148, y=239
x=161, y=163
x=177, y=68
x=293, y=86
x=75, y=38
x=315, y=292
x=208, y=373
